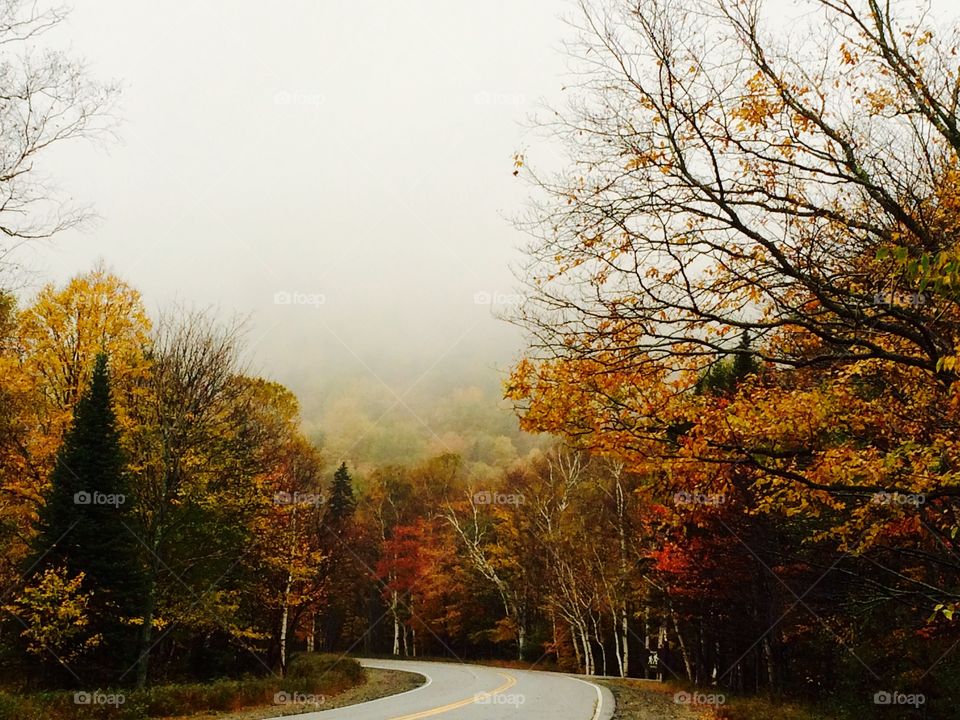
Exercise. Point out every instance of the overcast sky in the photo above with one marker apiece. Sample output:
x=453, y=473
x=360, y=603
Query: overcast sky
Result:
x=355, y=154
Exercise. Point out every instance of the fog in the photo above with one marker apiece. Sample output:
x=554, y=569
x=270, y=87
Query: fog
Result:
x=338, y=172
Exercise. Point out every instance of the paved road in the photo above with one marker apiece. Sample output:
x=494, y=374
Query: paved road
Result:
x=475, y=692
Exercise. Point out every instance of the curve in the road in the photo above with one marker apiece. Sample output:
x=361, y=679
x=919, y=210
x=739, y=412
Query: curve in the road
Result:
x=474, y=692
x=510, y=682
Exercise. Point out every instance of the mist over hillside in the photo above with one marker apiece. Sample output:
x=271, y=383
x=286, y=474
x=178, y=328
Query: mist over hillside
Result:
x=367, y=408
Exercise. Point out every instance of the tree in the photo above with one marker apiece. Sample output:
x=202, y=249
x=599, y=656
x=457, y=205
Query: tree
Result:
x=803, y=195
x=342, y=504
x=187, y=444
x=48, y=99
x=56, y=615
x=57, y=338
x=20, y=492
x=724, y=183
x=347, y=569
x=288, y=552
x=85, y=524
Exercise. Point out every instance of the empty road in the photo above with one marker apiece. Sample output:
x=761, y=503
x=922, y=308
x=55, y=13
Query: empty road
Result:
x=475, y=692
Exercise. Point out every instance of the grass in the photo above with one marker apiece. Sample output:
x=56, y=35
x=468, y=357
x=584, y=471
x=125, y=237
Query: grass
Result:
x=647, y=700
x=380, y=683
x=322, y=681
x=652, y=700
x=763, y=709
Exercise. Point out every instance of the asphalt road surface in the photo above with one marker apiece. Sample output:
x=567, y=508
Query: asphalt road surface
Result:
x=475, y=692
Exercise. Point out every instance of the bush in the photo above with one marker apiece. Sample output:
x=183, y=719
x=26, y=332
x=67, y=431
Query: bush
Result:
x=324, y=669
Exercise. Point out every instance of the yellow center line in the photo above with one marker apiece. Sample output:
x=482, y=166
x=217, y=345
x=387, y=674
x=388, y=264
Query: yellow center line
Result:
x=510, y=682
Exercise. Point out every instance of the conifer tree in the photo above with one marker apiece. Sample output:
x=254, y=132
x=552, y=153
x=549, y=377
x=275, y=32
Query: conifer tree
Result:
x=86, y=525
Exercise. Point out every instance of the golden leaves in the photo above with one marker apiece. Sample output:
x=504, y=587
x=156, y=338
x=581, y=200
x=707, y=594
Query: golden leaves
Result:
x=53, y=610
x=759, y=105
x=848, y=56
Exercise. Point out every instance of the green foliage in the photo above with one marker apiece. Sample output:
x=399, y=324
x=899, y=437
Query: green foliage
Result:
x=342, y=503
x=724, y=375
x=84, y=526
x=938, y=272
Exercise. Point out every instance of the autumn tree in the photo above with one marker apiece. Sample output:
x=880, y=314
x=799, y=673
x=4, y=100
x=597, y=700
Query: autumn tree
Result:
x=19, y=497
x=59, y=335
x=391, y=504
x=730, y=185
x=499, y=546
x=798, y=192
x=288, y=551
x=187, y=433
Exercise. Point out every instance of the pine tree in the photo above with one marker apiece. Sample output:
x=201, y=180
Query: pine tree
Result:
x=340, y=568
x=744, y=362
x=724, y=376
x=86, y=525
x=342, y=503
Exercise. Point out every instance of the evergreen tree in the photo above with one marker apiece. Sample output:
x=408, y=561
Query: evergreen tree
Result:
x=85, y=525
x=744, y=362
x=340, y=567
x=724, y=376
x=342, y=503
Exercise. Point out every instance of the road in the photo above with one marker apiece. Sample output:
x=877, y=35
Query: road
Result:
x=475, y=692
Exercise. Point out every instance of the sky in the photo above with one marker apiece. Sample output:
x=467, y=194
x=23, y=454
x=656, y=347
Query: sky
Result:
x=339, y=172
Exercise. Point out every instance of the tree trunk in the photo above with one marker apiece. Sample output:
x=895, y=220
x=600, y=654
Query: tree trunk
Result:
x=683, y=647
x=616, y=645
x=576, y=646
x=311, y=635
x=600, y=644
x=625, y=629
x=587, y=648
x=284, y=619
x=648, y=670
x=149, y=608
x=661, y=645
x=396, y=624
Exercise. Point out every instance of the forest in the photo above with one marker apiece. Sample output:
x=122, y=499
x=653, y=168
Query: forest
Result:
x=739, y=393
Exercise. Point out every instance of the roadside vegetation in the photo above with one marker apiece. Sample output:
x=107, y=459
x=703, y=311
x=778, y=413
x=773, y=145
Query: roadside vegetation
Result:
x=314, y=681
x=646, y=700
